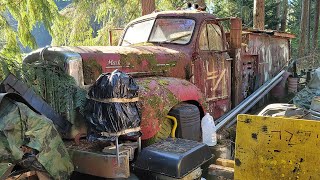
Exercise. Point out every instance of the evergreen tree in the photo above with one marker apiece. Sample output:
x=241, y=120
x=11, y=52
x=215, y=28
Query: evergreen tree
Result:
x=17, y=33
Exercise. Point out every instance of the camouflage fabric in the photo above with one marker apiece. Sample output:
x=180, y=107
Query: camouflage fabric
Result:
x=20, y=126
x=304, y=97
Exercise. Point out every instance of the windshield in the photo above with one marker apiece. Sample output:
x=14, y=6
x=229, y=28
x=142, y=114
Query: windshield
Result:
x=165, y=30
x=137, y=33
x=176, y=30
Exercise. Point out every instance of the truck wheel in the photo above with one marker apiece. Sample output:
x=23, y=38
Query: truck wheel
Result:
x=165, y=130
x=163, y=133
x=167, y=125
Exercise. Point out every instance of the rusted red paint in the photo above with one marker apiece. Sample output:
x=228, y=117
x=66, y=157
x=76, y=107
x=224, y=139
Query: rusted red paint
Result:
x=158, y=95
x=188, y=71
x=136, y=59
x=249, y=73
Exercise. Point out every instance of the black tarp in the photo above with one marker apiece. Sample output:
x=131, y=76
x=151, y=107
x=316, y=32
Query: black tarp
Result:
x=112, y=104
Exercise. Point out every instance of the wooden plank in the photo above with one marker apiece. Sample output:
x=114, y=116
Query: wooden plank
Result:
x=277, y=148
x=225, y=162
x=125, y=131
x=220, y=172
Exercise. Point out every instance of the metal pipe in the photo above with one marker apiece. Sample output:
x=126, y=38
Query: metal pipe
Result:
x=139, y=144
x=255, y=101
x=117, y=151
x=175, y=124
x=230, y=115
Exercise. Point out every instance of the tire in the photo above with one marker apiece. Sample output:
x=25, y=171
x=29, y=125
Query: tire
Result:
x=165, y=130
x=166, y=127
x=163, y=133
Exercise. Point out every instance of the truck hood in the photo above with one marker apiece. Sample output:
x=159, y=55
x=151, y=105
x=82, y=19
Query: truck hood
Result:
x=135, y=60
x=139, y=61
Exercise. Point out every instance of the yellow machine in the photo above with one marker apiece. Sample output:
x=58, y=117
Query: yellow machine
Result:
x=277, y=148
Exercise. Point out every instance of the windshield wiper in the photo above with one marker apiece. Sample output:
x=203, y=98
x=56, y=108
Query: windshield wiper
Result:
x=174, y=39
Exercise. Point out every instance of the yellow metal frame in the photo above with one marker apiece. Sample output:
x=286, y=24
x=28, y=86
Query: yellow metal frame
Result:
x=277, y=148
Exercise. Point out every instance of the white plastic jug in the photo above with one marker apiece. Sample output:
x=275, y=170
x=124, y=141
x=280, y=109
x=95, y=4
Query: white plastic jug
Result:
x=209, y=135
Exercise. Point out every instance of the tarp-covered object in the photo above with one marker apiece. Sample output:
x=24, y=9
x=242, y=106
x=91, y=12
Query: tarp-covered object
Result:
x=305, y=96
x=21, y=127
x=112, y=104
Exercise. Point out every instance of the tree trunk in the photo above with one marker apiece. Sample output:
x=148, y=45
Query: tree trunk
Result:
x=308, y=41
x=258, y=14
x=316, y=26
x=148, y=6
x=201, y=3
x=303, y=28
x=284, y=16
x=278, y=14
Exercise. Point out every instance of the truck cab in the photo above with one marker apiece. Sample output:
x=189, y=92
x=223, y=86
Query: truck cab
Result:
x=201, y=42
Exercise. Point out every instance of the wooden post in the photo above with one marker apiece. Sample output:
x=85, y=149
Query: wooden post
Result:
x=235, y=33
x=110, y=37
x=235, y=44
x=258, y=14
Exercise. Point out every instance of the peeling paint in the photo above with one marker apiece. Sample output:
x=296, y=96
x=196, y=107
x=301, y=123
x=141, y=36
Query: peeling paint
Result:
x=158, y=95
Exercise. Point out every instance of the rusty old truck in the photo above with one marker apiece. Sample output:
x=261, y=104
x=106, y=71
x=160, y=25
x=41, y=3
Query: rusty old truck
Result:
x=185, y=63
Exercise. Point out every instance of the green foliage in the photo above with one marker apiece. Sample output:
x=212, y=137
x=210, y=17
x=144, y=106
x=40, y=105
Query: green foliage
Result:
x=294, y=18
x=88, y=22
x=244, y=10
x=170, y=4
x=49, y=80
x=27, y=14
x=294, y=24
x=16, y=33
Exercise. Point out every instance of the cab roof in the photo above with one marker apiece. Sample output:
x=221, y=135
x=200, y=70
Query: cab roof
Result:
x=196, y=14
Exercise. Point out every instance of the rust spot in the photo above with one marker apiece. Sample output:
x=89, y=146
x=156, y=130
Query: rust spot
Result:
x=254, y=136
x=264, y=129
x=247, y=121
x=237, y=161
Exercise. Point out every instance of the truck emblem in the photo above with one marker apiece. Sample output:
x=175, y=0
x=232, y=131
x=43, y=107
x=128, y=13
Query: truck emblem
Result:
x=113, y=62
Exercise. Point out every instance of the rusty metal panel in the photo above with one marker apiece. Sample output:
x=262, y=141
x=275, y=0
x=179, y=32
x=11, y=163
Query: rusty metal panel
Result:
x=101, y=164
x=217, y=81
x=249, y=75
x=277, y=148
x=273, y=53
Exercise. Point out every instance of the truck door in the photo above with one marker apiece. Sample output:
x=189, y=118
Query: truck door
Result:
x=212, y=53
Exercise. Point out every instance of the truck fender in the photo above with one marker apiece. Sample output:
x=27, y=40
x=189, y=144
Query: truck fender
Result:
x=159, y=94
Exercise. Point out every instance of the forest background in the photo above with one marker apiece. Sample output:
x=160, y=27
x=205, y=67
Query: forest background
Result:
x=26, y=25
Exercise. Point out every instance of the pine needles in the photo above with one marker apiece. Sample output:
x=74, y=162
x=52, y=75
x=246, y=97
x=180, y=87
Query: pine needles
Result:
x=58, y=89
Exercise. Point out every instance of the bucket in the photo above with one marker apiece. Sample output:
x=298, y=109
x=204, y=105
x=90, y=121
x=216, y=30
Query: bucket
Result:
x=293, y=84
x=315, y=108
x=279, y=91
